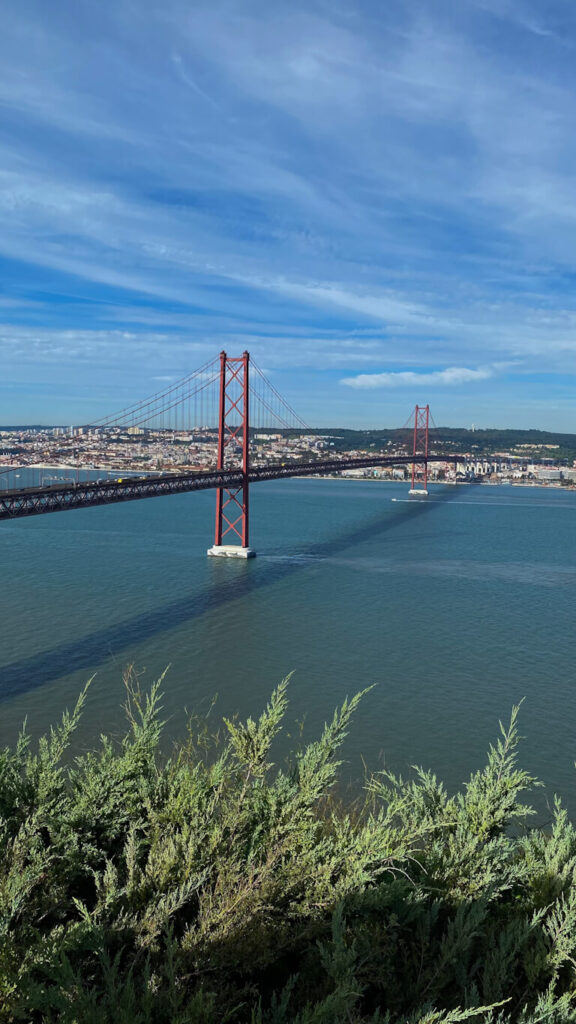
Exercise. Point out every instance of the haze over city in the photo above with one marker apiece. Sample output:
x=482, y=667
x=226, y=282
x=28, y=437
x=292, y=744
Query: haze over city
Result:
x=376, y=200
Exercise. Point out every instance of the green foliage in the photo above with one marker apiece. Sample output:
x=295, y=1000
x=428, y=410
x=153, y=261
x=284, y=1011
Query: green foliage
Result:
x=214, y=886
x=457, y=439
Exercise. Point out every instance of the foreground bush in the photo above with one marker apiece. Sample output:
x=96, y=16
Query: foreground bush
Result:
x=212, y=886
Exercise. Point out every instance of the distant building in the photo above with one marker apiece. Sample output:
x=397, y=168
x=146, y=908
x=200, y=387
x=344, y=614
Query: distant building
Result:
x=548, y=475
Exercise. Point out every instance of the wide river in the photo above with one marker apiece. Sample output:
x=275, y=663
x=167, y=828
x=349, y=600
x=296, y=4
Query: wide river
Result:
x=455, y=608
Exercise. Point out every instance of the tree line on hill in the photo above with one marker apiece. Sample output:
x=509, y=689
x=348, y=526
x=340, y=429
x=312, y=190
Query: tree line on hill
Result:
x=461, y=440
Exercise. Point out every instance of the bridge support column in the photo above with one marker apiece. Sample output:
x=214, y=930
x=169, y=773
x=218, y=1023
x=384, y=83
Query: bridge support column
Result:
x=419, y=488
x=232, y=503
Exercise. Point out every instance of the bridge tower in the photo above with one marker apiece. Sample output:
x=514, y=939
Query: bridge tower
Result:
x=232, y=503
x=420, y=451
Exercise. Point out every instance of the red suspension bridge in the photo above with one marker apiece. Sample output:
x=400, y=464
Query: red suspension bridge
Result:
x=226, y=401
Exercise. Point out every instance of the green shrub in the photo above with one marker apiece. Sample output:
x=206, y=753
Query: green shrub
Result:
x=213, y=886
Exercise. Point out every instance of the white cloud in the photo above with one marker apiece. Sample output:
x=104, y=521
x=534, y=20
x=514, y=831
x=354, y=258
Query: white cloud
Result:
x=452, y=375
x=247, y=177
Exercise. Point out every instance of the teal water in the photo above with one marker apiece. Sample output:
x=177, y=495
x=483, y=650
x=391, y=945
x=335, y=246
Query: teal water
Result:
x=455, y=608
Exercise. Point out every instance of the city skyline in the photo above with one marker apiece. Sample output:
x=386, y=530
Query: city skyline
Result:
x=376, y=202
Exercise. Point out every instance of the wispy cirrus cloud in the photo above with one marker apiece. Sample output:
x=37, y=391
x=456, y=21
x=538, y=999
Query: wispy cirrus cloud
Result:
x=451, y=376
x=339, y=190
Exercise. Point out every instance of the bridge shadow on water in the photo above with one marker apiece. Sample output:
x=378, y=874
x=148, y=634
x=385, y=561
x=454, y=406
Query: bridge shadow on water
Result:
x=89, y=651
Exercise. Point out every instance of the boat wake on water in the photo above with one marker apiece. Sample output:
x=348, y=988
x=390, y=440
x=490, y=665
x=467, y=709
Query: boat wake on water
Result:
x=490, y=502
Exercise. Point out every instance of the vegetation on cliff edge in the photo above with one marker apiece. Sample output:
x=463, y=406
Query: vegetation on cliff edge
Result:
x=214, y=886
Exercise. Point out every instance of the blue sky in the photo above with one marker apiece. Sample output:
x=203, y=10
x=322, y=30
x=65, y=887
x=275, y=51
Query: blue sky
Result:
x=378, y=200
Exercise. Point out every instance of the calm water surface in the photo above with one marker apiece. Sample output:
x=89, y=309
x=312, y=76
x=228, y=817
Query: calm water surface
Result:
x=455, y=608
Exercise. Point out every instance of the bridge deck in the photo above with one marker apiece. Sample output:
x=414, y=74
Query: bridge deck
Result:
x=33, y=501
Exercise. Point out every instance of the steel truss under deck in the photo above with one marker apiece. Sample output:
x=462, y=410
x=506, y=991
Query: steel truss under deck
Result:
x=34, y=501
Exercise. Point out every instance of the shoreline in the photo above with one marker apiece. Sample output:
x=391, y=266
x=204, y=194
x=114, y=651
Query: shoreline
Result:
x=556, y=485
x=442, y=483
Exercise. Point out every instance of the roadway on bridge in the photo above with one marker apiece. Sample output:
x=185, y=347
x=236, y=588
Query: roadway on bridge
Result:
x=33, y=501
